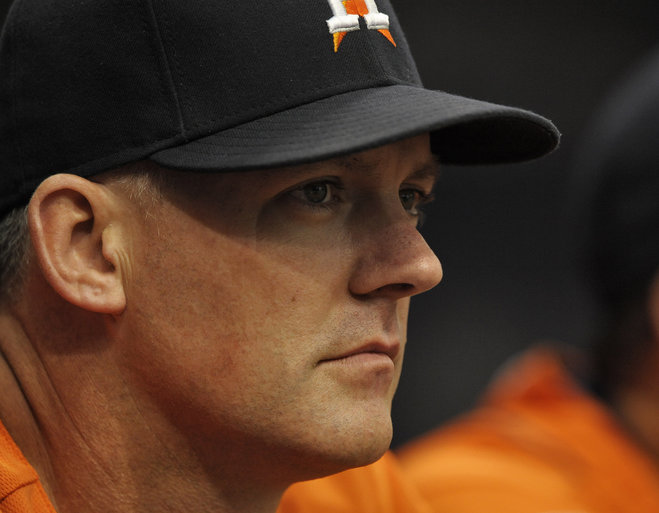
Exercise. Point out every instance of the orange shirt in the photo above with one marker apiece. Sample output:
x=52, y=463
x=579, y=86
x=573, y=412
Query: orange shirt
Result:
x=538, y=443
x=20, y=489
x=376, y=488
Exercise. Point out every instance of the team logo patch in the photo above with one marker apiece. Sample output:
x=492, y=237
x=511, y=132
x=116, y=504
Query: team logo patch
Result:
x=346, y=19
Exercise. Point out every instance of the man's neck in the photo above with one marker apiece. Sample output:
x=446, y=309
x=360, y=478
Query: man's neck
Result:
x=93, y=448
x=16, y=412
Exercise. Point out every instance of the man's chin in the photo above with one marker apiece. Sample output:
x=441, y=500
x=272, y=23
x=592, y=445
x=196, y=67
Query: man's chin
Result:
x=353, y=434
x=363, y=447
x=342, y=463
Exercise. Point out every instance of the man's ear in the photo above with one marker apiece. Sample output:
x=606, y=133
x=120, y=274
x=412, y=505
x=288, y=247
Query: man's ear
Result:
x=76, y=243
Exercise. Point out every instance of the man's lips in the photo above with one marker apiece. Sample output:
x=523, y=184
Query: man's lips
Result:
x=390, y=349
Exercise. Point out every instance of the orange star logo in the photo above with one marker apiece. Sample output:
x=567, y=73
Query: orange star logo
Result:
x=346, y=19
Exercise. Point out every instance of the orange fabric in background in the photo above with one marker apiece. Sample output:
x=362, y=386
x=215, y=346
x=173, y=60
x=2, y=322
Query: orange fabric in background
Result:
x=20, y=489
x=376, y=488
x=538, y=443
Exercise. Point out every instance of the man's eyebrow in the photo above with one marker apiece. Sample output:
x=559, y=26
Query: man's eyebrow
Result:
x=429, y=169
x=354, y=162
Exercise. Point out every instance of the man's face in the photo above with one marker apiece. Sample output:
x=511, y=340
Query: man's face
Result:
x=267, y=310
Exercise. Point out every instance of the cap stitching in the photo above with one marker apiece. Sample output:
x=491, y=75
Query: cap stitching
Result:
x=374, y=54
x=155, y=46
x=170, y=75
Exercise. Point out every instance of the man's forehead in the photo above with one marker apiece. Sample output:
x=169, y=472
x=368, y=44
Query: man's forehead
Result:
x=420, y=166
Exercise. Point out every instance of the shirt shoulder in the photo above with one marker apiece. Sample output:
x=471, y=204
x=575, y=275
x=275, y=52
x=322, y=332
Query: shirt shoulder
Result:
x=377, y=488
x=20, y=489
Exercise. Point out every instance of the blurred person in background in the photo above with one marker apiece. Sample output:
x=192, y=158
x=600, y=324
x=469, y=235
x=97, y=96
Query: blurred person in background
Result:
x=560, y=429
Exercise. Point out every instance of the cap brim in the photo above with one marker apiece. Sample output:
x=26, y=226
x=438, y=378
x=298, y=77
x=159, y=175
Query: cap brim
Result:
x=463, y=131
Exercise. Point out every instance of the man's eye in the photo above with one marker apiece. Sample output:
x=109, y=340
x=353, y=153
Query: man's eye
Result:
x=408, y=198
x=321, y=193
x=317, y=192
x=413, y=201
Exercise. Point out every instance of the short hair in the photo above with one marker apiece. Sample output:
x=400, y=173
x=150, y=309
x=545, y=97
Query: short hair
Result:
x=14, y=252
x=143, y=182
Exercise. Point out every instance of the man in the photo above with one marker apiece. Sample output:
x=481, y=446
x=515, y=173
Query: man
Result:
x=209, y=244
x=560, y=430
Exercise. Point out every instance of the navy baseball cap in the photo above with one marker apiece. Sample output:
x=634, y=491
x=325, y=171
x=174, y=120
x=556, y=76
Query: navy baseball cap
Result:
x=210, y=85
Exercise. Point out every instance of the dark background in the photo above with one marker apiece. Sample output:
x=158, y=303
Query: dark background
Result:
x=503, y=233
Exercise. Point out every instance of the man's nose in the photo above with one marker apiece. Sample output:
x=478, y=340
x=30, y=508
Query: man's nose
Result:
x=395, y=261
